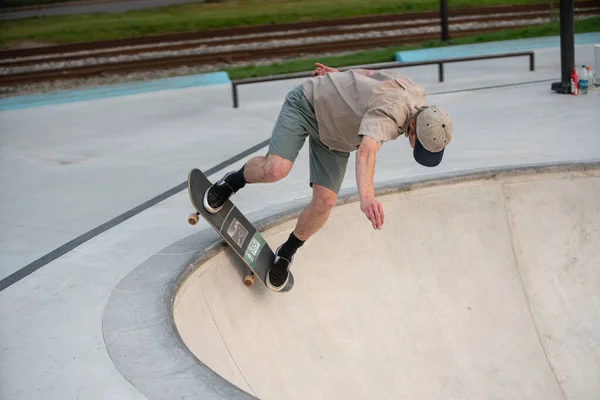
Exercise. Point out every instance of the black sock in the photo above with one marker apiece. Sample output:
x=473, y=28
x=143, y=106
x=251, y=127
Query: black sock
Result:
x=289, y=248
x=237, y=180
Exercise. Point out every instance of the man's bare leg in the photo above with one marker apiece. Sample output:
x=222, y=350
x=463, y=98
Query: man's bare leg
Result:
x=314, y=216
x=311, y=219
x=273, y=168
x=266, y=169
x=258, y=170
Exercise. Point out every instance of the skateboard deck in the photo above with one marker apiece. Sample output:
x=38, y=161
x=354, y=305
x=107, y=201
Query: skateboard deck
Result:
x=248, y=244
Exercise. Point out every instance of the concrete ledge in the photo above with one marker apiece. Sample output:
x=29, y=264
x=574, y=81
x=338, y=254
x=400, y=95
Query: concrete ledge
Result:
x=102, y=92
x=138, y=326
x=490, y=48
x=141, y=337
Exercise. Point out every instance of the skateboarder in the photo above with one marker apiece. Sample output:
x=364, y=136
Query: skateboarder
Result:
x=339, y=112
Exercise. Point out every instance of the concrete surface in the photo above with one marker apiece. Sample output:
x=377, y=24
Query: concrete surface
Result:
x=95, y=160
x=475, y=289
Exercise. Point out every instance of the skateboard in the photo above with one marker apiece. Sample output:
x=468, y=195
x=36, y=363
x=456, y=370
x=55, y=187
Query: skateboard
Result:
x=248, y=244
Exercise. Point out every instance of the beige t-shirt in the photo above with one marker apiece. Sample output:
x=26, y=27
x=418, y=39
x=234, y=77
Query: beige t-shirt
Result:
x=349, y=105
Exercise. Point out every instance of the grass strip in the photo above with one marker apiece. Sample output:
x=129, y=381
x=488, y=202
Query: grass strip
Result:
x=206, y=16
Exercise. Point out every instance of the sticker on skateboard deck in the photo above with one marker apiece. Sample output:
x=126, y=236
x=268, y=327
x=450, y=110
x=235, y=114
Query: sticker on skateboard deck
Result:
x=248, y=244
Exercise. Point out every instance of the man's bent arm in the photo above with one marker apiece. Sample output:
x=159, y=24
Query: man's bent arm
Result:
x=365, y=167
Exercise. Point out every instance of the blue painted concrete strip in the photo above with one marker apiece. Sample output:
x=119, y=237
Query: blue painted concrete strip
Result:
x=70, y=96
x=491, y=48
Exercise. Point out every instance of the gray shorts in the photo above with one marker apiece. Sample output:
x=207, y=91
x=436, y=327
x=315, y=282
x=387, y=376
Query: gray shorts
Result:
x=297, y=121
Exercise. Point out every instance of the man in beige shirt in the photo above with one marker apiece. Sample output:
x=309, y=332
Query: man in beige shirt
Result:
x=339, y=112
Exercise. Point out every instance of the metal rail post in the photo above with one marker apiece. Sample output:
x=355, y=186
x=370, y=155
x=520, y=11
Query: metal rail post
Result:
x=567, y=46
x=234, y=92
x=444, y=19
x=531, y=62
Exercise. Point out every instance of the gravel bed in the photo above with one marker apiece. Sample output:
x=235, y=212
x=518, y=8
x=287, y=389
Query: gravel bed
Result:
x=83, y=83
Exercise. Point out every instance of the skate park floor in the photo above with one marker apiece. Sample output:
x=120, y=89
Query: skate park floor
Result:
x=71, y=326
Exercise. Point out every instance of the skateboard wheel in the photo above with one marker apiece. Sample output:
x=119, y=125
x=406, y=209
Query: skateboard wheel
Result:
x=249, y=280
x=193, y=219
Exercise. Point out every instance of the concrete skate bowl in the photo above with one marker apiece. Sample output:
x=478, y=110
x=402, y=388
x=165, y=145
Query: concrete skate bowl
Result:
x=480, y=287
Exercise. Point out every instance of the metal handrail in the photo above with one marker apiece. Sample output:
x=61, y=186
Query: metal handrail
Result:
x=388, y=65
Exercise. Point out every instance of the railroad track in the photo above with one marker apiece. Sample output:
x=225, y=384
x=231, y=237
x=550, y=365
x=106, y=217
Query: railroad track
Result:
x=112, y=52
x=230, y=45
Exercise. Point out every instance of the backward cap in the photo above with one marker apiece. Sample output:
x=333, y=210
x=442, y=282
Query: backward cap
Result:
x=434, y=128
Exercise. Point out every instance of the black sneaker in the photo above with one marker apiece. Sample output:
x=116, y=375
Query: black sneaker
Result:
x=279, y=274
x=216, y=195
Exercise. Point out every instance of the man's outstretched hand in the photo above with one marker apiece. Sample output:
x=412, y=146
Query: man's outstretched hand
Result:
x=322, y=69
x=374, y=212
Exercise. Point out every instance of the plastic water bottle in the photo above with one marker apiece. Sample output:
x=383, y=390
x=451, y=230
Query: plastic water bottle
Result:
x=591, y=78
x=583, y=80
